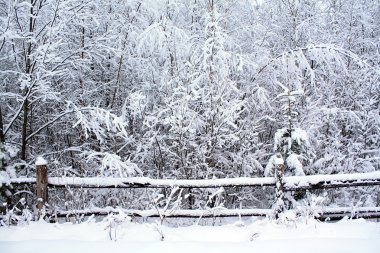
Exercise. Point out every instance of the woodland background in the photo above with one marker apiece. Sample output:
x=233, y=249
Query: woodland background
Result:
x=189, y=90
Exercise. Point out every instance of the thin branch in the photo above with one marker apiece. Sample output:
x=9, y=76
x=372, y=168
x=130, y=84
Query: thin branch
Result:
x=54, y=120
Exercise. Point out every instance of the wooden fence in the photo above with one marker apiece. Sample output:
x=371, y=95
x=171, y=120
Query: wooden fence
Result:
x=281, y=184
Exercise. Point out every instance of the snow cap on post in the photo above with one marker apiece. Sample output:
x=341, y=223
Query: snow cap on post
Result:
x=40, y=161
x=278, y=160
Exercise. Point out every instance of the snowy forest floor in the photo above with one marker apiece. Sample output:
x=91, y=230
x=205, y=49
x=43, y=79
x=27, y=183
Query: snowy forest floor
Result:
x=249, y=236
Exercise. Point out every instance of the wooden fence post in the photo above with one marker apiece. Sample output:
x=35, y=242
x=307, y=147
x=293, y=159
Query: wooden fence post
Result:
x=280, y=193
x=42, y=182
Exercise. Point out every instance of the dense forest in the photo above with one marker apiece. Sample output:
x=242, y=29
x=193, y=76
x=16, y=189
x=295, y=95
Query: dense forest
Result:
x=186, y=89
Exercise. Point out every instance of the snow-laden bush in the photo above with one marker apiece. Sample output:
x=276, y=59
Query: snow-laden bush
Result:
x=115, y=224
x=113, y=165
x=19, y=214
x=311, y=206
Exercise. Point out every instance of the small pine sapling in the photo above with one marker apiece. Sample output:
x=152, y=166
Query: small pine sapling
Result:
x=289, y=141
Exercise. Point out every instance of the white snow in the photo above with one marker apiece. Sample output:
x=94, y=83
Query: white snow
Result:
x=315, y=179
x=242, y=181
x=293, y=162
x=244, y=236
x=160, y=182
x=278, y=160
x=41, y=161
x=289, y=181
x=4, y=178
x=300, y=135
x=113, y=164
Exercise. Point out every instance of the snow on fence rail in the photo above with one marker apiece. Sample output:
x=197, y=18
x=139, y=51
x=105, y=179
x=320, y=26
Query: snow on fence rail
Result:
x=291, y=183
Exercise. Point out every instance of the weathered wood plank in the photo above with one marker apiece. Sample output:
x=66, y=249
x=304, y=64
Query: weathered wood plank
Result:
x=333, y=213
x=42, y=185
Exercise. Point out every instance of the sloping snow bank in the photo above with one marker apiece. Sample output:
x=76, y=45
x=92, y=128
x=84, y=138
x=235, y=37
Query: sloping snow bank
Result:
x=258, y=236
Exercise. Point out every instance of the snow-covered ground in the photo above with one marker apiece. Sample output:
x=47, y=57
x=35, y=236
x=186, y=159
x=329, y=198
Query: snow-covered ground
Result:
x=256, y=236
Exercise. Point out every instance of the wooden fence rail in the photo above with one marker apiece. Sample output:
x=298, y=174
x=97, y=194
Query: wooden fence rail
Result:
x=282, y=184
x=290, y=183
x=322, y=213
